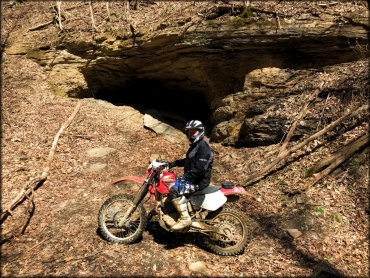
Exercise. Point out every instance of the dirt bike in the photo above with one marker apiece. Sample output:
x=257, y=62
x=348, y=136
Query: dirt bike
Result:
x=123, y=219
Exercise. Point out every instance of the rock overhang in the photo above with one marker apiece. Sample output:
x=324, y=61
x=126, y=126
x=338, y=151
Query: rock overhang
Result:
x=204, y=64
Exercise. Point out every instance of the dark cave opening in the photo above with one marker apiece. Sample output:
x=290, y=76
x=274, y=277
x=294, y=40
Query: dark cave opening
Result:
x=175, y=106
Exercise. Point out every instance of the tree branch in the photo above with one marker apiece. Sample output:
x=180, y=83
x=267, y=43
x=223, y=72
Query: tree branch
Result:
x=38, y=181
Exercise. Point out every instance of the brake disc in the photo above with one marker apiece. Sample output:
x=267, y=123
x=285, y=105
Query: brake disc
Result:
x=117, y=218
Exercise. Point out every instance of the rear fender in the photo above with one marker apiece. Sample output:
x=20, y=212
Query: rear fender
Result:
x=233, y=194
x=136, y=179
x=234, y=191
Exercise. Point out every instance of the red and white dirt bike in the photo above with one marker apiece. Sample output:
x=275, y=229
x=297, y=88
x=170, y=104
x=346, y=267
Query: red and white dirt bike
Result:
x=122, y=218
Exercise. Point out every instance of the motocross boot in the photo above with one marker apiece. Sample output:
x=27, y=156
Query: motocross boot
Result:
x=184, y=219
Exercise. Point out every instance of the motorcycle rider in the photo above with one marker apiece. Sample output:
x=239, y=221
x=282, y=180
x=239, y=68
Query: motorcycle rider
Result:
x=197, y=171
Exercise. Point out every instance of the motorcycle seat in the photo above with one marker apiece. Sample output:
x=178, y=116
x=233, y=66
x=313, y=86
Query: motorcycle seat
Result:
x=207, y=190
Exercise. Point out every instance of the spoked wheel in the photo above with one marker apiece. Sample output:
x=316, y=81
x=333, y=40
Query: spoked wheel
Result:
x=112, y=212
x=233, y=232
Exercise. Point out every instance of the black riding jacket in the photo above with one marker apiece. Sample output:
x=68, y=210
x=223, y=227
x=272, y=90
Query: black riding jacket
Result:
x=197, y=164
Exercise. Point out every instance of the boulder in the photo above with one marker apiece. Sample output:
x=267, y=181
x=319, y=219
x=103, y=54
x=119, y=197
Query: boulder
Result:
x=273, y=78
x=228, y=130
x=199, y=267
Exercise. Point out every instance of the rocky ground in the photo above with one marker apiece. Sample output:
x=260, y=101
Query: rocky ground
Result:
x=61, y=238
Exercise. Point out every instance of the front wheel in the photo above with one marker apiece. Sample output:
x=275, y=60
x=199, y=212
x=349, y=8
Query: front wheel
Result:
x=110, y=215
x=232, y=234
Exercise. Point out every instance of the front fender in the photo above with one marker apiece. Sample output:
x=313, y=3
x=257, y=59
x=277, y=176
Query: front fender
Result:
x=136, y=179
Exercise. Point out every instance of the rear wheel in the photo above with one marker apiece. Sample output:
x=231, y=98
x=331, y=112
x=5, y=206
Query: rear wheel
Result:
x=112, y=212
x=232, y=233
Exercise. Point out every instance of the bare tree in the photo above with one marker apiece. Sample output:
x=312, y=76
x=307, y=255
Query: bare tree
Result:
x=59, y=4
x=92, y=16
x=108, y=11
x=126, y=6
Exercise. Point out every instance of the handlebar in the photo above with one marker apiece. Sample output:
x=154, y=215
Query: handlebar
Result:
x=158, y=165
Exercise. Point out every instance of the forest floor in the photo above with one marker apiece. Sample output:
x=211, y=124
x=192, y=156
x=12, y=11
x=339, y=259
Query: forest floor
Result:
x=61, y=238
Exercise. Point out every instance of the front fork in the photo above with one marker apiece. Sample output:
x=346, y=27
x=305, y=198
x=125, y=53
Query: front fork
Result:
x=139, y=197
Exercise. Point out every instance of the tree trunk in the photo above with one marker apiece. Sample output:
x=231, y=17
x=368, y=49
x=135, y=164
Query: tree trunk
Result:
x=59, y=4
x=92, y=16
x=126, y=6
x=108, y=11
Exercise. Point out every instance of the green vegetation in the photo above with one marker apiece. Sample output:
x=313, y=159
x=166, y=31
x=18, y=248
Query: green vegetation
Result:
x=58, y=90
x=109, y=29
x=116, y=15
x=304, y=173
x=338, y=218
x=301, y=211
x=250, y=21
x=355, y=165
x=125, y=43
x=247, y=13
x=328, y=258
x=319, y=209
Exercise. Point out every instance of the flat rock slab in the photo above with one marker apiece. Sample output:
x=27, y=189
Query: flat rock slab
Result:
x=97, y=167
x=295, y=233
x=160, y=127
x=100, y=152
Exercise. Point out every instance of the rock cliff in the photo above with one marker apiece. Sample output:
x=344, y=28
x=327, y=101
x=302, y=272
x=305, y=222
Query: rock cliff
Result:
x=234, y=65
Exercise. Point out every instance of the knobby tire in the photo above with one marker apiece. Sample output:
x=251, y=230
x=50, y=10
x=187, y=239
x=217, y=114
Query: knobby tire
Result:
x=136, y=227
x=216, y=246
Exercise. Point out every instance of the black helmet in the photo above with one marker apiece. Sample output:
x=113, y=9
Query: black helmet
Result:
x=195, y=124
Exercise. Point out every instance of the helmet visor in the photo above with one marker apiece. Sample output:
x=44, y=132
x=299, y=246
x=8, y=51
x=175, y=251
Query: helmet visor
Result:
x=192, y=132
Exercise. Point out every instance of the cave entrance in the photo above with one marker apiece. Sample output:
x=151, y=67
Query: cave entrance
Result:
x=174, y=105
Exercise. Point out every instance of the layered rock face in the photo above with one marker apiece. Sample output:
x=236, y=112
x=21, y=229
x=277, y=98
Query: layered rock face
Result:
x=237, y=68
x=257, y=115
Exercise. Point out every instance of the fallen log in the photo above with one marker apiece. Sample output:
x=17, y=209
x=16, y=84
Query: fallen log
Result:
x=285, y=153
x=346, y=152
x=35, y=183
x=42, y=25
x=325, y=166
